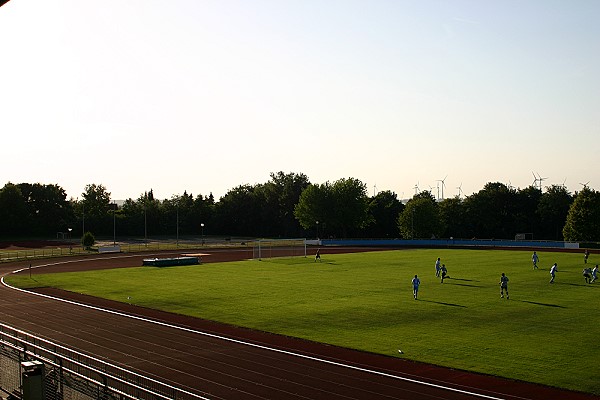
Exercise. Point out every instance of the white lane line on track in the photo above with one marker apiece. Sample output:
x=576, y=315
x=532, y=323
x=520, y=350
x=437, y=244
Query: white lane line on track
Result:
x=237, y=341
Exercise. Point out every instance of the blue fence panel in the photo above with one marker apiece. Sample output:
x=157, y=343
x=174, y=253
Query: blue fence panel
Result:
x=446, y=243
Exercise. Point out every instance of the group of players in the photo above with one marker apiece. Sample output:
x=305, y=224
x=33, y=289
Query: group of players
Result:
x=590, y=275
x=440, y=272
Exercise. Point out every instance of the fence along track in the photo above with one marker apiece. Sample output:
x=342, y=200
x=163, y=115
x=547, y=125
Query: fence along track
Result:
x=31, y=254
x=69, y=374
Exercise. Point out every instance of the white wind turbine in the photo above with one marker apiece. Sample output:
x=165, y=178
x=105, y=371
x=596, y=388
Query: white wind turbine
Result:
x=460, y=192
x=541, y=180
x=535, y=180
x=443, y=181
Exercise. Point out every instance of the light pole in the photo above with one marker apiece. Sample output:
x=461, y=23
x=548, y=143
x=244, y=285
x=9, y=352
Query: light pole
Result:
x=177, y=209
x=114, y=224
x=202, y=232
x=70, y=240
x=145, y=224
x=317, y=230
x=82, y=221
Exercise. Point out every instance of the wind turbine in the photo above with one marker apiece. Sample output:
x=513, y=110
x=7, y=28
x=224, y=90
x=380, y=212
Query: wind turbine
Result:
x=416, y=188
x=374, y=190
x=443, y=184
x=541, y=180
x=535, y=180
x=584, y=184
x=430, y=189
x=460, y=190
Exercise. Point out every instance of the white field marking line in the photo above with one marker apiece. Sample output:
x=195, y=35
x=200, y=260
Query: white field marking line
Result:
x=237, y=341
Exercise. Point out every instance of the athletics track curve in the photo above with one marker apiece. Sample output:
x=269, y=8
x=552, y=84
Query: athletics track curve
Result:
x=218, y=361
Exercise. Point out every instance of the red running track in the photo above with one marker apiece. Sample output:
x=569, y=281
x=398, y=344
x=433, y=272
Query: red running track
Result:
x=223, y=362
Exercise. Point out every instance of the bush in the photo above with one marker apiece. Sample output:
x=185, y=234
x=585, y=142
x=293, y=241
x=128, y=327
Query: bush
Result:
x=88, y=240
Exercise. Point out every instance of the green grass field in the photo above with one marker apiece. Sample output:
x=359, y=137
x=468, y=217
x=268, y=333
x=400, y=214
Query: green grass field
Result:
x=546, y=333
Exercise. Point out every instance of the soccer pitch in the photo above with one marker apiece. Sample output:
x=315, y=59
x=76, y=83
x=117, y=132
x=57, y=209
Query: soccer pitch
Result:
x=546, y=333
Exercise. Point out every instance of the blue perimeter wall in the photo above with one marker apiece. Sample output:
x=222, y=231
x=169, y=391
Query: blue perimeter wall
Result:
x=448, y=243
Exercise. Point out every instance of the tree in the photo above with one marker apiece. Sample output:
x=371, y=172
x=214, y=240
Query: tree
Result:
x=552, y=210
x=14, y=216
x=283, y=193
x=384, y=209
x=492, y=212
x=203, y=212
x=96, y=202
x=313, y=210
x=48, y=208
x=525, y=216
x=350, y=206
x=583, y=218
x=238, y=212
x=341, y=207
x=452, y=218
x=420, y=218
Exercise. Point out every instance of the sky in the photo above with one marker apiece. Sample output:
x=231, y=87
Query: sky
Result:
x=203, y=96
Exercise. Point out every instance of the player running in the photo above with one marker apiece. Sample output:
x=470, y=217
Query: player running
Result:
x=587, y=275
x=594, y=274
x=416, y=282
x=438, y=267
x=553, y=272
x=444, y=271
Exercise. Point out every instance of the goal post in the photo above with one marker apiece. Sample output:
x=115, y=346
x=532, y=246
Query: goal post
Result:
x=271, y=248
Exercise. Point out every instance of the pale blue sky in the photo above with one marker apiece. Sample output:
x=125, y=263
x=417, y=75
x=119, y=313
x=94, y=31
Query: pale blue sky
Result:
x=203, y=96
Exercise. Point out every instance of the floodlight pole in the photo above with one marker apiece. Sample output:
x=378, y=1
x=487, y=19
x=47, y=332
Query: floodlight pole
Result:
x=177, y=223
x=145, y=225
x=317, y=230
x=114, y=224
x=202, y=232
x=82, y=221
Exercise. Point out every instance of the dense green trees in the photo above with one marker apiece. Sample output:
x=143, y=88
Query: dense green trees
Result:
x=492, y=212
x=420, y=218
x=95, y=208
x=384, y=209
x=583, y=219
x=47, y=206
x=314, y=208
x=33, y=209
x=264, y=210
x=284, y=192
x=339, y=209
x=453, y=218
x=289, y=205
x=15, y=219
x=552, y=210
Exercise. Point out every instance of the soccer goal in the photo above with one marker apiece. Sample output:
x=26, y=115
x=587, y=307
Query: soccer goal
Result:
x=271, y=248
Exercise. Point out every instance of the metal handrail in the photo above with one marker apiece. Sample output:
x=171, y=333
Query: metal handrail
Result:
x=61, y=356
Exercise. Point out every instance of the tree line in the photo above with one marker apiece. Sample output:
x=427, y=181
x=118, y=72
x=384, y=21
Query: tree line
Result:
x=289, y=205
